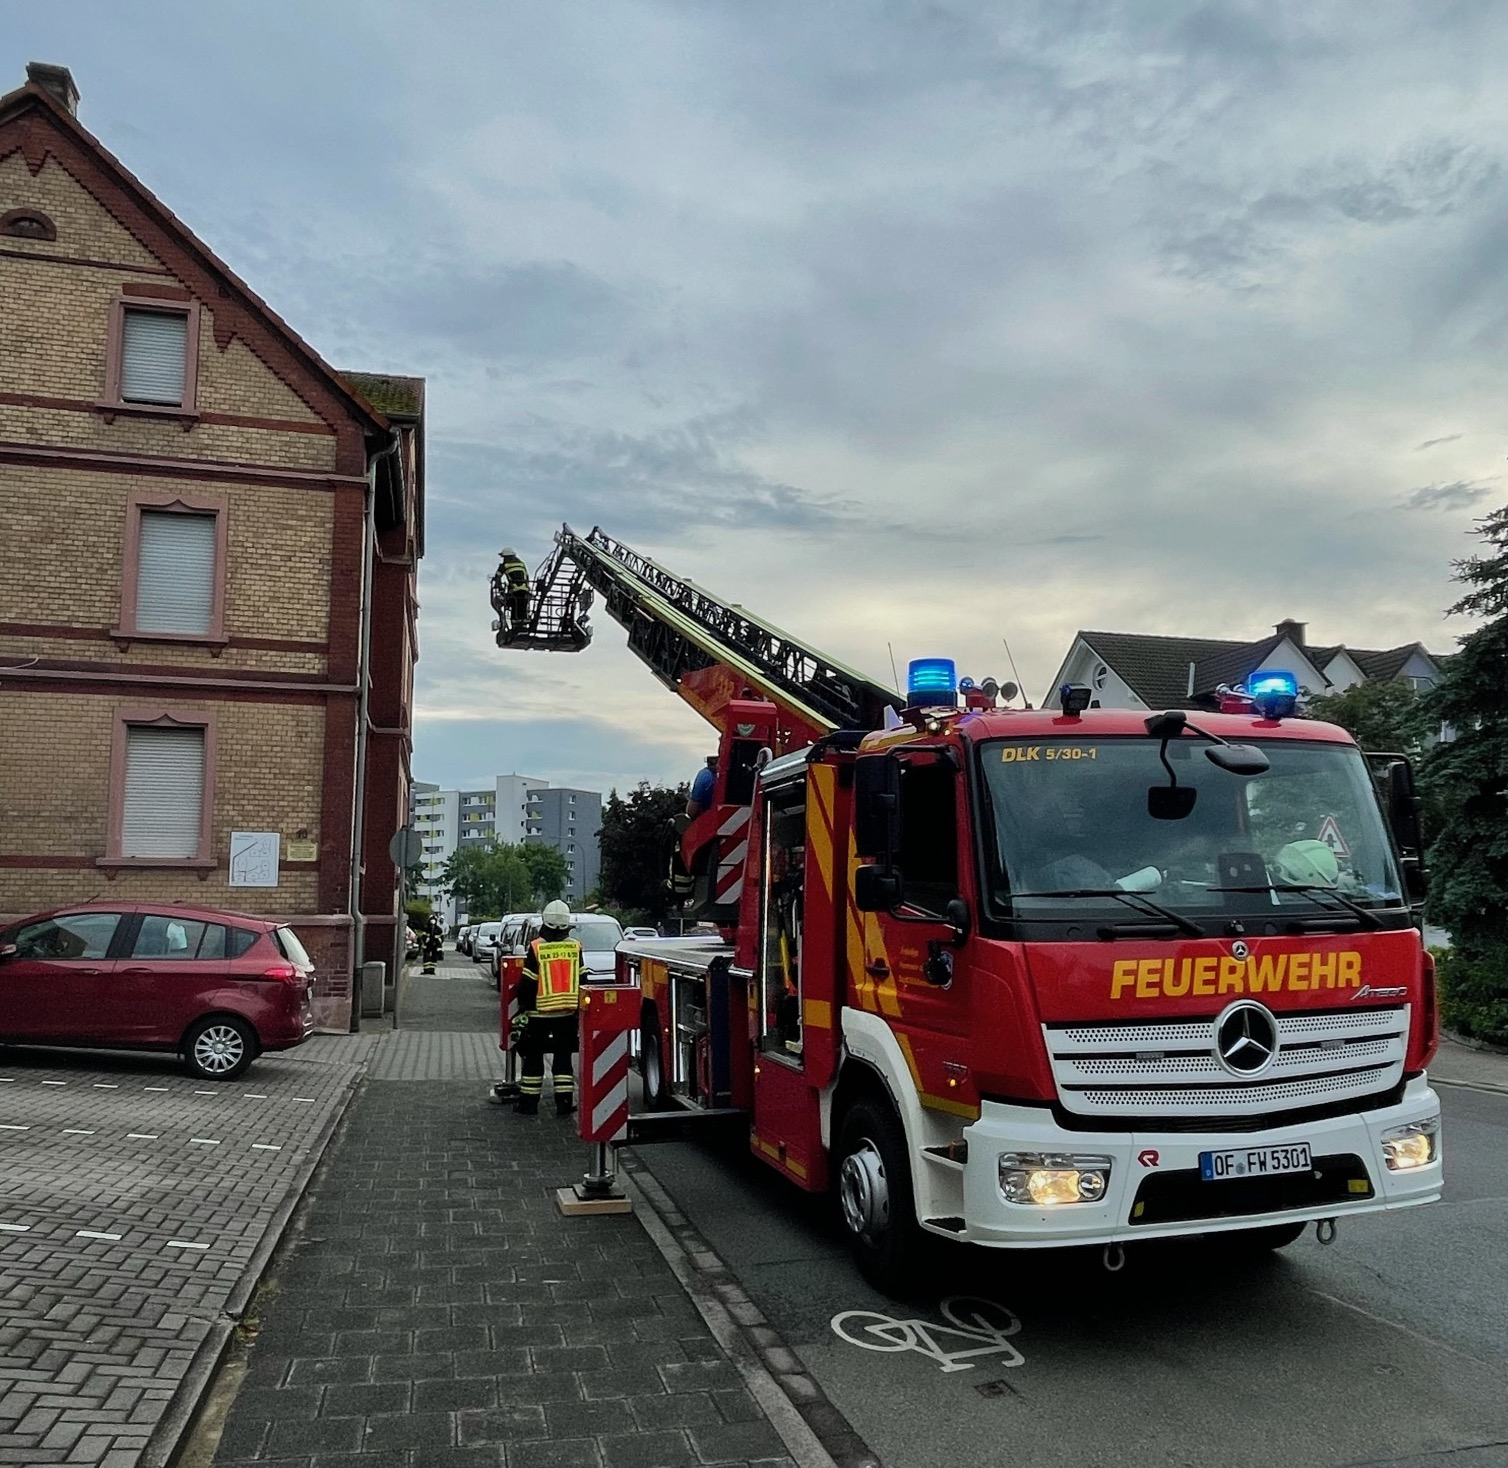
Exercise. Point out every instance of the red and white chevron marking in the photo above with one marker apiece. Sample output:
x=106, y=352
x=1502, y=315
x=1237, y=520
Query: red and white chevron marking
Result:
x=733, y=848
x=604, y=1109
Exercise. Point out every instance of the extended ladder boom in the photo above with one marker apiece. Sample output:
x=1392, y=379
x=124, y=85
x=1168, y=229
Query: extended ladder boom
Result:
x=679, y=630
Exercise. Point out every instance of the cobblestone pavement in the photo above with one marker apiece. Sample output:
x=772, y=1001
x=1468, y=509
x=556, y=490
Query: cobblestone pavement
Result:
x=436, y=1309
x=133, y=1202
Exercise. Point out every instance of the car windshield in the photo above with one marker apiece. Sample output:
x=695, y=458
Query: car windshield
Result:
x=1072, y=820
x=597, y=935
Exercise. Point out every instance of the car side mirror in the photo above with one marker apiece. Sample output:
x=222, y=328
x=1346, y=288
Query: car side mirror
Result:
x=877, y=889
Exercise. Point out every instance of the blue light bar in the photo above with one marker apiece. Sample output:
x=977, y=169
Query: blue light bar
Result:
x=1268, y=683
x=931, y=680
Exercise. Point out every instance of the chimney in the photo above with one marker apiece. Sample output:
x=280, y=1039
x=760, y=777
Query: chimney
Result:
x=57, y=82
x=1293, y=631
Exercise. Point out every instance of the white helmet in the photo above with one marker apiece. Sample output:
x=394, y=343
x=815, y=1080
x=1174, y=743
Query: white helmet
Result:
x=556, y=915
x=507, y=553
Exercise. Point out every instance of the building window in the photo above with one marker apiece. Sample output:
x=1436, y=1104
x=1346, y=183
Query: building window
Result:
x=27, y=224
x=161, y=788
x=173, y=569
x=152, y=363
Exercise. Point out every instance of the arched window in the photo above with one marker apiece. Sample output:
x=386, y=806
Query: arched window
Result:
x=27, y=224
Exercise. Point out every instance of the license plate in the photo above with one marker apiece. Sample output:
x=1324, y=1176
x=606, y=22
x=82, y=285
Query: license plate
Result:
x=1218, y=1167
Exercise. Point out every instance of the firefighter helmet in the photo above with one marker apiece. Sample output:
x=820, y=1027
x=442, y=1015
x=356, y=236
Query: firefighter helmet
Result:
x=1308, y=864
x=556, y=915
x=508, y=553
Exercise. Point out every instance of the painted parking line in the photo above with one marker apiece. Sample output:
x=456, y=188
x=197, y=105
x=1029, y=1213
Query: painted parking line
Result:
x=54, y=1083
x=209, y=1093
x=265, y=1147
x=205, y=1141
x=183, y=1244
x=89, y=1233
x=253, y=1096
x=141, y=1136
x=74, y=1131
x=10, y=1126
x=15, y=1228
x=154, y=1088
x=305, y=1098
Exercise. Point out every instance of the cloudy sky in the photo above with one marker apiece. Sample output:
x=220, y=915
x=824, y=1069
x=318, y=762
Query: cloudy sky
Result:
x=911, y=326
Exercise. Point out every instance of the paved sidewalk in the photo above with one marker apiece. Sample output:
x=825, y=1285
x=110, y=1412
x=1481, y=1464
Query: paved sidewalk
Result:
x=436, y=1309
x=1462, y=1063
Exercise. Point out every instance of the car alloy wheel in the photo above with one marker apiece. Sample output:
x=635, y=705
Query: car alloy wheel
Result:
x=219, y=1049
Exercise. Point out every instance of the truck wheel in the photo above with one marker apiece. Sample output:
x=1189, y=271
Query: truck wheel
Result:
x=874, y=1195
x=652, y=1063
x=1259, y=1240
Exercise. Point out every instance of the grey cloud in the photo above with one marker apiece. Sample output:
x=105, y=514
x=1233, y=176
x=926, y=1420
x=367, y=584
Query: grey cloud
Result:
x=1430, y=443
x=1461, y=494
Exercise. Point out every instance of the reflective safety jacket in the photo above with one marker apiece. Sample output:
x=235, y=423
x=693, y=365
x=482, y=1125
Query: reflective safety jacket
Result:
x=552, y=970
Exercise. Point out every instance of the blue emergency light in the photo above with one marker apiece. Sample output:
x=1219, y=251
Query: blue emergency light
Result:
x=1275, y=694
x=931, y=681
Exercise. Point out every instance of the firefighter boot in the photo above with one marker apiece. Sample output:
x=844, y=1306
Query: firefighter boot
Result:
x=527, y=1106
x=564, y=1106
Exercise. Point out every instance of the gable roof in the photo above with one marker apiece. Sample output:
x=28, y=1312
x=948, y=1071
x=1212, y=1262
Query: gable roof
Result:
x=34, y=101
x=1156, y=669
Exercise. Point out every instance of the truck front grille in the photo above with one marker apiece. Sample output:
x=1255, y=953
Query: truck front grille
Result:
x=1177, y=1197
x=1171, y=1068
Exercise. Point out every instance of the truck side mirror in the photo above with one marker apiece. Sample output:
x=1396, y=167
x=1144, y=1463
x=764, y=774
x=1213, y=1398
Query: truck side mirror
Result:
x=877, y=806
x=877, y=889
x=1404, y=805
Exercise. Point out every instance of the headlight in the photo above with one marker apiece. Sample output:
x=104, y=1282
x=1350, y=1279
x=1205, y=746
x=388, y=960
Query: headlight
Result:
x=1047, y=1178
x=1414, y=1145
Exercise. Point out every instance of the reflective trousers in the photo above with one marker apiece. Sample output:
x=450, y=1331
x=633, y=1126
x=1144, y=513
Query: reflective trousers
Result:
x=558, y=1038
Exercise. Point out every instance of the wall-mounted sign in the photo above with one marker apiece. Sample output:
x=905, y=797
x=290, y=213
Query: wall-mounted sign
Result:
x=254, y=858
x=302, y=851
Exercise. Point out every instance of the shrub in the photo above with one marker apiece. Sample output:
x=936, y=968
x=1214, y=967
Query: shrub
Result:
x=1474, y=994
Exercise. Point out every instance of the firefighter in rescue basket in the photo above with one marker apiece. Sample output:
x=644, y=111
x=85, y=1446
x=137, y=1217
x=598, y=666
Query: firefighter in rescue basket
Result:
x=549, y=995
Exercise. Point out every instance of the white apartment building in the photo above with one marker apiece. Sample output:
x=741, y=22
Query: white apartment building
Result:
x=511, y=810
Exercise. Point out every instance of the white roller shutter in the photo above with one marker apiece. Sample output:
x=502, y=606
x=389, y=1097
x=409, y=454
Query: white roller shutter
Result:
x=152, y=357
x=164, y=792
x=175, y=575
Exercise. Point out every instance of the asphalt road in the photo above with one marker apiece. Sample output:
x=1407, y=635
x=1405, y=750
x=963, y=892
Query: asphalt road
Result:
x=1388, y=1347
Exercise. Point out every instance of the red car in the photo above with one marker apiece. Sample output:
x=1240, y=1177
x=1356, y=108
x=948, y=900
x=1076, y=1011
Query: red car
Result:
x=216, y=987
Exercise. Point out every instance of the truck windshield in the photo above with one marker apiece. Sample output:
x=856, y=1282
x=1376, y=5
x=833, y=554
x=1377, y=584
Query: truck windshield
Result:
x=1072, y=818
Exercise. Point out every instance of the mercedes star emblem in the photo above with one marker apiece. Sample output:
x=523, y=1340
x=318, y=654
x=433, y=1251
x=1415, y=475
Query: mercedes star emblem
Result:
x=1246, y=1039
x=1239, y=950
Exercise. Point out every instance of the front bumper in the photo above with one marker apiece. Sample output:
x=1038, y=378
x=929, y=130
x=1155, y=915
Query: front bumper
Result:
x=1160, y=1172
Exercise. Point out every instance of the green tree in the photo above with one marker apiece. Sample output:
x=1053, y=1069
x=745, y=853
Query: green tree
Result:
x=488, y=878
x=637, y=837
x=547, y=871
x=1380, y=716
x=1467, y=776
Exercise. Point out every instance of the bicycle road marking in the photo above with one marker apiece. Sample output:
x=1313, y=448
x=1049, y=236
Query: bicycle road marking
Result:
x=969, y=1317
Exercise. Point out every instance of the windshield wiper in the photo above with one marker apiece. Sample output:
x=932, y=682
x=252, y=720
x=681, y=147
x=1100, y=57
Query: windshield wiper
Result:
x=1147, y=907
x=1366, y=914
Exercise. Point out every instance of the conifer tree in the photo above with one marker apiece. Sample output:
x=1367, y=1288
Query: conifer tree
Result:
x=1467, y=776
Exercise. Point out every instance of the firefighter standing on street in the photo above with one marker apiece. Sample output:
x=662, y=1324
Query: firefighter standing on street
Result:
x=549, y=995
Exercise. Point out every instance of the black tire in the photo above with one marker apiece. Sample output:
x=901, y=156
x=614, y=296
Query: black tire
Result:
x=1260, y=1240
x=219, y=1048
x=652, y=1063
x=876, y=1203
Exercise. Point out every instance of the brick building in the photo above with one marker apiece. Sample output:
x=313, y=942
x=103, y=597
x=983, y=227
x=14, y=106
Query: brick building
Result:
x=207, y=576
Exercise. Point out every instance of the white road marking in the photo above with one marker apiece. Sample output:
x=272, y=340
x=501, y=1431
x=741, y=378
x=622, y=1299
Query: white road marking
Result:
x=253, y=1096
x=183, y=1244
x=15, y=1228
x=10, y=1126
x=205, y=1141
x=54, y=1083
x=74, y=1131
x=105, y=1086
x=89, y=1233
x=265, y=1147
x=154, y=1088
x=141, y=1136
x=304, y=1098
x=206, y=1093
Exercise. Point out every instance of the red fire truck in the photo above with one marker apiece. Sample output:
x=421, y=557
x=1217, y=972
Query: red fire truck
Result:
x=1029, y=977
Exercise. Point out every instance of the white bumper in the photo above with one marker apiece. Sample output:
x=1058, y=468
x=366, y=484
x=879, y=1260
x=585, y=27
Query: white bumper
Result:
x=1137, y=1157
